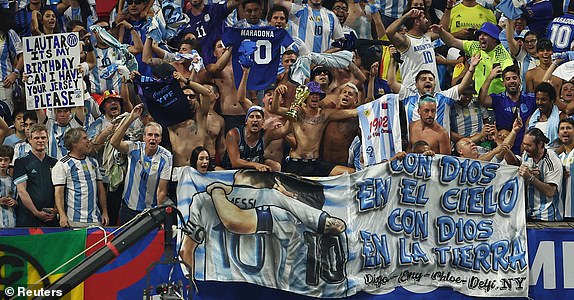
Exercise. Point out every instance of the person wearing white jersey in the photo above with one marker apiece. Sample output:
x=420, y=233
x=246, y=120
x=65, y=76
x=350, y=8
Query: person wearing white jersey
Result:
x=78, y=185
x=416, y=47
x=314, y=24
x=542, y=170
x=149, y=167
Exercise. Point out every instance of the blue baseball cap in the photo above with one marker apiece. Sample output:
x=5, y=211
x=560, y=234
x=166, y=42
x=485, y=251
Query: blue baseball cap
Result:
x=492, y=30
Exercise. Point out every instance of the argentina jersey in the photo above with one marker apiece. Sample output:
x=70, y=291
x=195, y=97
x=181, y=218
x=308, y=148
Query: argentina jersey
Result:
x=105, y=76
x=539, y=206
x=9, y=51
x=56, y=148
x=380, y=129
x=21, y=149
x=561, y=33
x=567, y=193
x=317, y=28
x=268, y=41
x=274, y=259
x=467, y=120
x=445, y=99
x=80, y=179
x=394, y=8
x=143, y=175
x=7, y=214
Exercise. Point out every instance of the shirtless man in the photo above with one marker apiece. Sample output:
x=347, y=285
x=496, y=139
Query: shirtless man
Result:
x=352, y=74
x=426, y=129
x=190, y=133
x=339, y=134
x=222, y=72
x=180, y=64
x=535, y=76
x=215, y=135
x=308, y=128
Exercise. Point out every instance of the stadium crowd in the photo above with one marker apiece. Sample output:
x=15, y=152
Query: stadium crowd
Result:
x=481, y=79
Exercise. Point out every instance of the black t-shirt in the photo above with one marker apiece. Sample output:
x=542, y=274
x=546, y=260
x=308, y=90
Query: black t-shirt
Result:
x=38, y=177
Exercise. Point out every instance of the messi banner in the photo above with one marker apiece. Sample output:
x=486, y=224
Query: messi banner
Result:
x=437, y=221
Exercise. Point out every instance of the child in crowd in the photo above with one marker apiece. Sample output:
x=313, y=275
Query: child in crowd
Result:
x=7, y=189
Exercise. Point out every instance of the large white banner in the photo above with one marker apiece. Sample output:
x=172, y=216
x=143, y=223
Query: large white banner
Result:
x=420, y=223
x=51, y=68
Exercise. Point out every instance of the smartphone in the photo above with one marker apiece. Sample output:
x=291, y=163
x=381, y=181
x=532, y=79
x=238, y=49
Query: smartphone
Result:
x=516, y=112
x=494, y=65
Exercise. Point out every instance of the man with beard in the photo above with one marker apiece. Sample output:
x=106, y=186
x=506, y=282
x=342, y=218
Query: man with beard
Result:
x=547, y=116
x=489, y=48
x=426, y=129
x=542, y=170
x=339, y=135
x=246, y=144
x=415, y=46
x=308, y=128
x=425, y=83
x=565, y=152
x=509, y=105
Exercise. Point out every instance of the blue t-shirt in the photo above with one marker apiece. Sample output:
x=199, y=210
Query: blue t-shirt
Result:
x=207, y=28
x=266, y=58
x=561, y=33
x=504, y=112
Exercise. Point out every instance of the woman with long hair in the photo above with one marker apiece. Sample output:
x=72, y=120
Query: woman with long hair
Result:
x=45, y=22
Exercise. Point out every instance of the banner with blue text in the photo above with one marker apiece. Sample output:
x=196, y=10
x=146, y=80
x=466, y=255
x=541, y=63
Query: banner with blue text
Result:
x=52, y=73
x=437, y=221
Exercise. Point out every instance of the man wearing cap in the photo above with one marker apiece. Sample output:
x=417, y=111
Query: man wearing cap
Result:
x=110, y=105
x=427, y=129
x=416, y=47
x=308, y=129
x=490, y=49
x=246, y=144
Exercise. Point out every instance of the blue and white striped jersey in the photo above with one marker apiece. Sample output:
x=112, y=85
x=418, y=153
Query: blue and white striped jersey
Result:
x=56, y=133
x=467, y=120
x=143, y=175
x=80, y=179
x=540, y=207
x=318, y=28
x=7, y=214
x=445, y=100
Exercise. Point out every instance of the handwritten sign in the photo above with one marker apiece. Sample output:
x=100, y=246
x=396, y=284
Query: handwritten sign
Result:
x=51, y=68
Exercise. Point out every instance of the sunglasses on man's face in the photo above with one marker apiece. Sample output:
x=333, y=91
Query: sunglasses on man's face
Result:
x=130, y=2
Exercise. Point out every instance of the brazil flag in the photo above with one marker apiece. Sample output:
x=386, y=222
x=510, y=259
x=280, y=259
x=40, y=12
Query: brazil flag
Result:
x=26, y=261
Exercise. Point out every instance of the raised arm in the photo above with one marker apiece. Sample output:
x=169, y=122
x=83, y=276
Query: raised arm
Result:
x=118, y=136
x=513, y=45
x=148, y=50
x=467, y=79
x=445, y=19
x=280, y=91
x=340, y=114
x=242, y=90
x=400, y=41
x=392, y=74
x=137, y=46
x=483, y=97
x=220, y=64
x=448, y=38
